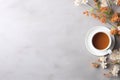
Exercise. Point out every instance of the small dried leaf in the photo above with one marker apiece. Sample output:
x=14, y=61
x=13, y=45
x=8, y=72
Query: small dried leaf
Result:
x=95, y=65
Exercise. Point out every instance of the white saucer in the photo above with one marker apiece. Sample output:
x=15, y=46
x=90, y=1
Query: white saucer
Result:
x=88, y=39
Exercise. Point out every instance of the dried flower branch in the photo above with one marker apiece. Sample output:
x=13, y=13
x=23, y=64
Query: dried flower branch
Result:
x=104, y=12
x=113, y=60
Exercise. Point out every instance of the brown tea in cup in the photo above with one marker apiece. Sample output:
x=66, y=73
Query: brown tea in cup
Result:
x=100, y=40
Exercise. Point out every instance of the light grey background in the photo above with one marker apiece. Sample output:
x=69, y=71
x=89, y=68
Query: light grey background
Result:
x=44, y=40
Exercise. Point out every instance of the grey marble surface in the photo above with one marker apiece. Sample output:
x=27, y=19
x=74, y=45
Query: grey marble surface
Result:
x=44, y=40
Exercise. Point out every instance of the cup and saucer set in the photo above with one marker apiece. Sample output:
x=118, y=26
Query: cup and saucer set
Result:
x=99, y=41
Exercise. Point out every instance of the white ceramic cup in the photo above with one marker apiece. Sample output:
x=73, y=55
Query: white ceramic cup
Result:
x=107, y=49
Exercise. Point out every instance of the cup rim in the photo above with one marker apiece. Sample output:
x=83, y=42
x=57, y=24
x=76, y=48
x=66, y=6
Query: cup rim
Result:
x=110, y=40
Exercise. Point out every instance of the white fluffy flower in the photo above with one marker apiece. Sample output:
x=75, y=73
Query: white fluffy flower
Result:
x=115, y=70
x=104, y=3
x=78, y=2
x=84, y=1
x=116, y=2
x=103, y=59
x=118, y=27
x=104, y=65
x=115, y=56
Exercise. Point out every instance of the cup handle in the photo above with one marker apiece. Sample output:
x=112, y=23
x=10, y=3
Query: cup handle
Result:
x=109, y=51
